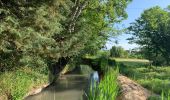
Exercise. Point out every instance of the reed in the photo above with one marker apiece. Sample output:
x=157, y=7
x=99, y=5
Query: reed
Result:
x=107, y=88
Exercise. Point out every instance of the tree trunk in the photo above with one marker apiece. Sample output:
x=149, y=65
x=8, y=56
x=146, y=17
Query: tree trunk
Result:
x=57, y=68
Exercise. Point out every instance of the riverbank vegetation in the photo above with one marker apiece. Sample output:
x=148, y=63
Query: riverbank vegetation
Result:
x=51, y=34
x=107, y=89
x=15, y=85
x=154, y=78
x=151, y=32
x=39, y=38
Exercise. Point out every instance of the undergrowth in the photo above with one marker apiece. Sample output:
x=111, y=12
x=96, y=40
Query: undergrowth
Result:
x=15, y=85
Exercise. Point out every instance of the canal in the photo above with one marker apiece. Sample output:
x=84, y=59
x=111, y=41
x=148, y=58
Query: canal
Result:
x=67, y=87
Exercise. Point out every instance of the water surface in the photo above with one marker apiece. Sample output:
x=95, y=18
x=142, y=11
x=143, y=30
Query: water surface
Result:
x=68, y=87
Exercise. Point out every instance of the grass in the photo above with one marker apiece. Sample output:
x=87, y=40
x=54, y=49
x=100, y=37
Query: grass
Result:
x=130, y=60
x=107, y=89
x=155, y=79
x=164, y=96
x=15, y=85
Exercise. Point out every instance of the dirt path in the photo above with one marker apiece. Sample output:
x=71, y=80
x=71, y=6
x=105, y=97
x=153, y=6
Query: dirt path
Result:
x=131, y=90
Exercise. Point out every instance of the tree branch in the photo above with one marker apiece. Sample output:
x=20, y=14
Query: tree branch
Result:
x=77, y=10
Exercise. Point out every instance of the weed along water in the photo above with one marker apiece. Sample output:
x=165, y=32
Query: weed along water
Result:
x=68, y=87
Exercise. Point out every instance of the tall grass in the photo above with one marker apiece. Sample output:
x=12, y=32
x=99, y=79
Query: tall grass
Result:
x=15, y=85
x=165, y=96
x=107, y=88
x=154, y=78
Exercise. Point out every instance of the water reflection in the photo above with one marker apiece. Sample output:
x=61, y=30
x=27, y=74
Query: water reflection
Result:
x=68, y=87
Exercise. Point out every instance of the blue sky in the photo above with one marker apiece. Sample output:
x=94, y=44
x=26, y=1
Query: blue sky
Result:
x=134, y=10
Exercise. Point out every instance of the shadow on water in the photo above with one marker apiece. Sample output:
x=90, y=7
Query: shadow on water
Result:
x=68, y=87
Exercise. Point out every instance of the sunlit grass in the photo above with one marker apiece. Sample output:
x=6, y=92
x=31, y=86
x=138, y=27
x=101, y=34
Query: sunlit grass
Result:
x=165, y=96
x=131, y=60
x=107, y=89
x=17, y=84
x=155, y=79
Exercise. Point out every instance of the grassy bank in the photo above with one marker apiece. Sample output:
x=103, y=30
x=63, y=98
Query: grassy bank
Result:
x=15, y=85
x=154, y=78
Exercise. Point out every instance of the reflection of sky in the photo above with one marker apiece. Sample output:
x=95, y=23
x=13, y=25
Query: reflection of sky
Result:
x=134, y=10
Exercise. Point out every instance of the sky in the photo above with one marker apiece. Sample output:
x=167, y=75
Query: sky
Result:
x=134, y=10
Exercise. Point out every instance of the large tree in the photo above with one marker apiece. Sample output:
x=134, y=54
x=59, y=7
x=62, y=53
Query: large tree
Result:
x=34, y=32
x=152, y=32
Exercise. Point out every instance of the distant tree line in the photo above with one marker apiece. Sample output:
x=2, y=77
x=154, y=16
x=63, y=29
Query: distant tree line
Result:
x=119, y=52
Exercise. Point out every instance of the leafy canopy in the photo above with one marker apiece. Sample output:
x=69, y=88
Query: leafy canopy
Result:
x=34, y=32
x=152, y=32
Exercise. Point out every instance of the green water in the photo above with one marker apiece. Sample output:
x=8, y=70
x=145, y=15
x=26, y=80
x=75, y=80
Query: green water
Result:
x=68, y=87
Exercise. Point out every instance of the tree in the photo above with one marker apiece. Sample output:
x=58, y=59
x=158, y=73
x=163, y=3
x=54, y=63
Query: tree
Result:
x=118, y=52
x=50, y=32
x=152, y=32
x=26, y=31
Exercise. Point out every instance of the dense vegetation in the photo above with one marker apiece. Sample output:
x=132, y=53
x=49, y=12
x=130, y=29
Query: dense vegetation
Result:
x=39, y=33
x=39, y=38
x=42, y=35
x=15, y=85
x=120, y=52
x=151, y=32
x=107, y=89
x=155, y=79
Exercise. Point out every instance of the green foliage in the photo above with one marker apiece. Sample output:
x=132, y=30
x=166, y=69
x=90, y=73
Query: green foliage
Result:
x=164, y=96
x=156, y=79
x=32, y=33
x=26, y=32
x=104, y=64
x=96, y=23
x=151, y=31
x=107, y=89
x=136, y=53
x=37, y=33
x=118, y=52
x=132, y=62
x=17, y=84
x=101, y=53
x=101, y=62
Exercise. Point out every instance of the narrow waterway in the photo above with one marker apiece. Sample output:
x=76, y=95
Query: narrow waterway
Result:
x=68, y=87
